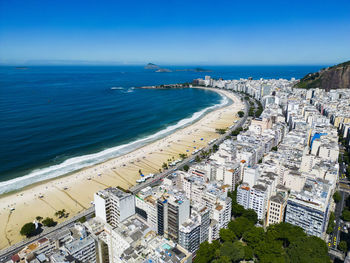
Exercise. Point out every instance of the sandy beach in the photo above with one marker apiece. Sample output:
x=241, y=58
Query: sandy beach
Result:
x=74, y=192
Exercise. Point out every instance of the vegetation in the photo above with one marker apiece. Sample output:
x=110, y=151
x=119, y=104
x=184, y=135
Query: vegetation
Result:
x=242, y=240
x=39, y=218
x=165, y=166
x=240, y=114
x=346, y=215
x=215, y=148
x=49, y=222
x=236, y=131
x=336, y=197
x=197, y=159
x=61, y=213
x=183, y=156
x=28, y=230
x=331, y=223
x=274, y=148
x=220, y=131
x=186, y=168
x=82, y=219
x=343, y=246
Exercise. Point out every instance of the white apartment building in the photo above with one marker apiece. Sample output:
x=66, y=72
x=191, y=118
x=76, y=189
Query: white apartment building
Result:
x=112, y=205
x=258, y=200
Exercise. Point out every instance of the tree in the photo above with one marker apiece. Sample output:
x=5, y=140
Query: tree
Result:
x=39, y=218
x=308, y=249
x=331, y=223
x=227, y=235
x=248, y=253
x=240, y=114
x=285, y=232
x=186, y=167
x=240, y=226
x=270, y=252
x=234, y=251
x=49, y=222
x=274, y=148
x=197, y=159
x=28, y=230
x=164, y=166
x=82, y=219
x=206, y=252
x=251, y=215
x=254, y=236
x=346, y=215
x=343, y=246
x=336, y=197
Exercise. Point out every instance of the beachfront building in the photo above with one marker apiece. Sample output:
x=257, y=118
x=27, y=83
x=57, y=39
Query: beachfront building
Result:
x=135, y=241
x=309, y=208
x=82, y=250
x=113, y=205
x=146, y=206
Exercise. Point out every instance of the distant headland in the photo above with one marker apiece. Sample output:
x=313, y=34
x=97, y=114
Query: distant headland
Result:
x=166, y=70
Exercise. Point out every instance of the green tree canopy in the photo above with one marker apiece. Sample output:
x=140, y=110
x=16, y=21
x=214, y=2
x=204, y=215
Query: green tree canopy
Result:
x=346, y=215
x=240, y=226
x=240, y=114
x=308, y=250
x=343, y=246
x=336, y=197
x=270, y=252
x=28, y=230
x=49, y=222
x=251, y=215
x=227, y=235
x=186, y=167
x=234, y=251
x=254, y=236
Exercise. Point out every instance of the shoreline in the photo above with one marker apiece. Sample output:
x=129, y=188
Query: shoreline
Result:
x=74, y=191
x=142, y=142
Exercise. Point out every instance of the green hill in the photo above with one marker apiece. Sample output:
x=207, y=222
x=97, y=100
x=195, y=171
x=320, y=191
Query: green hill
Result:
x=335, y=77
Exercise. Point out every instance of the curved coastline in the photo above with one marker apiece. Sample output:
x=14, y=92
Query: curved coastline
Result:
x=74, y=192
x=75, y=164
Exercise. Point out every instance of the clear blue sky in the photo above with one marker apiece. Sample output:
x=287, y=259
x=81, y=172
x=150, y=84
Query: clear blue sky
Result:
x=175, y=32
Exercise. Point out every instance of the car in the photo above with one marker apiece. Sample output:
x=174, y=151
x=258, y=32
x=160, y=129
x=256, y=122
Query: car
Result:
x=338, y=228
x=329, y=244
x=335, y=243
x=335, y=238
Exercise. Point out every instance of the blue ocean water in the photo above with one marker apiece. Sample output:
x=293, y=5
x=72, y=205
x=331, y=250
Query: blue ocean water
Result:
x=55, y=119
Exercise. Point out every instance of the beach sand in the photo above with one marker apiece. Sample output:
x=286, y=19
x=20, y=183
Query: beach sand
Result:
x=74, y=192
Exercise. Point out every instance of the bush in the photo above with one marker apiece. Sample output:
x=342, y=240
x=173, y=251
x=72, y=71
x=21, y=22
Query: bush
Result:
x=49, y=222
x=82, y=219
x=186, y=168
x=346, y=215
x=28, y=230
x=240, y=114
x=343, y=246
x=336, y=197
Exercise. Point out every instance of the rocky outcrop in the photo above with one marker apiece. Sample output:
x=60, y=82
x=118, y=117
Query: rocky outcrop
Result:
x=336, y=77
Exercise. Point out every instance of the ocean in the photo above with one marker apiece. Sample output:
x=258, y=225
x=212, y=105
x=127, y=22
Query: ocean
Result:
x=57, y=119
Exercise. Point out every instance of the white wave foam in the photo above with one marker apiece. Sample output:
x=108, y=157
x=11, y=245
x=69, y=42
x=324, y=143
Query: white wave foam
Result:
x=76, y=163
x=117, y=88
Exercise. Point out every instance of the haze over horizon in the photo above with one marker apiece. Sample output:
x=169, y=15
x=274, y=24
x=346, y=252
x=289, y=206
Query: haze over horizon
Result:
x=174, y=33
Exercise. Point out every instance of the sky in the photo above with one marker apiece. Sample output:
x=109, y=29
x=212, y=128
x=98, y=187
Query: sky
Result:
x=167, y=32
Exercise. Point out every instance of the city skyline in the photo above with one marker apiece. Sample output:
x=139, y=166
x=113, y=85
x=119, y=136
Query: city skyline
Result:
x=174, y=33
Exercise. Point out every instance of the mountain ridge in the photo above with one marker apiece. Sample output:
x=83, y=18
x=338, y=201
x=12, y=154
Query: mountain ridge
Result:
x=334, y=77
